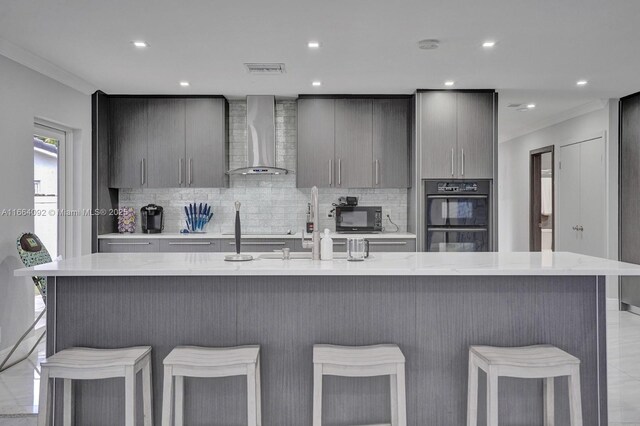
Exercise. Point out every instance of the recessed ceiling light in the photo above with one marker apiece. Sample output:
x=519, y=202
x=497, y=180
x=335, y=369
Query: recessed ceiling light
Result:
x=449, y=83
x=429, y=44
x=313, y=44
x=582, y=82
x=184, y=84
x=488, y=44
x=531, y=106
x=316, y=83
x=140, y=44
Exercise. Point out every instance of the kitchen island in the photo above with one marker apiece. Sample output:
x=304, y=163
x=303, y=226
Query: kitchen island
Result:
x=433, y=305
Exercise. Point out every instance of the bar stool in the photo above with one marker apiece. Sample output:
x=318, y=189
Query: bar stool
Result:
x=193, y=361
x=529, y=362
x=361, y=361
x=92, y=364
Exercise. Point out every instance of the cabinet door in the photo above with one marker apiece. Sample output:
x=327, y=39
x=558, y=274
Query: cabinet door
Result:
x=438, y=134
x=194, y=245
x=206, y=158
x=385, y=245
x=128, y=246
x=315, y=143
x=354, y=143
x=128, y=145
x=475, y=135
x=166, y=143
x=391, y=143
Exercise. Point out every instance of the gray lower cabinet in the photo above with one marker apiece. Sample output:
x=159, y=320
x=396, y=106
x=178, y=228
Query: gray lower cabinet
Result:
x=354, y=143
x=128, y=143
x=257, y=245
x=391, y=143
x=206, y=161
x=189, y=246
x=166, y=143
x=129, y=246
x=316, y=137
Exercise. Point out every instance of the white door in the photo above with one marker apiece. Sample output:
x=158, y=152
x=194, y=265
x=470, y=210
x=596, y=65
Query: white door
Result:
x=582, y=198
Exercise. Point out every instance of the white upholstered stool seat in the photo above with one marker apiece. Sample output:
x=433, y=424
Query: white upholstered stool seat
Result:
x=195, y=361
x=528, y=362
x=91, y=364
x=361, y=361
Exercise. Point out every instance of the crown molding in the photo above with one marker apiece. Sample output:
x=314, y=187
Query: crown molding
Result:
x=44, y=67
x=556, y=118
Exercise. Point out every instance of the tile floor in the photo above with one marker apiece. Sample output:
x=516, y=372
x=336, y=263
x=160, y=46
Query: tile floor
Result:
x=19, y=384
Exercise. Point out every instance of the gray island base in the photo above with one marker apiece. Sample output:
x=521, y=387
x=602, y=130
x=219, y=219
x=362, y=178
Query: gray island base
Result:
x=433, y=318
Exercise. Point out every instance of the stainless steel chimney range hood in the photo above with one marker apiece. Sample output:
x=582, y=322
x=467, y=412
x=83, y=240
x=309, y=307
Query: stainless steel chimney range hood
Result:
x=261, y=138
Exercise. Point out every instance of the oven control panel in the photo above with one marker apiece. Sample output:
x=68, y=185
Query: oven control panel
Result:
x=449, y=187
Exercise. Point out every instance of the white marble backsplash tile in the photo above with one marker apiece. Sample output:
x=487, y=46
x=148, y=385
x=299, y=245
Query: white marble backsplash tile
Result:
x=270, y=204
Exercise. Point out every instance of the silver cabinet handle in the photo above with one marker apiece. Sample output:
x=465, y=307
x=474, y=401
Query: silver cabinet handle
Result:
x=130, y=244
x=190, y=171
x=377, y=168
x=452, y=165
x=142, y=172
x=462, y=174
x=339, y=171
x=578, y=228
x=339, y=244
x=260, y=243
x=180, y=171
x=387, y=243
x=457, y=230
x=190, y=243
x=330, y=172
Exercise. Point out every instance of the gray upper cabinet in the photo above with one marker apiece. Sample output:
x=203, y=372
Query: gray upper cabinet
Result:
x=457, y=134
x=206, y=161
x=128, y=144
x=316, y=162
x=438, y=134
x=476, y=135
x=353, y=143
x=166, y=143
x=391, y=130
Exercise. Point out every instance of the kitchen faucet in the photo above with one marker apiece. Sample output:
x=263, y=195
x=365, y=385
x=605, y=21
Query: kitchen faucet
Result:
x=314, y=244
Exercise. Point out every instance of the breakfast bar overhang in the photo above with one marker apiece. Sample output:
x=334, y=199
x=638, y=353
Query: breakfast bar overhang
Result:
x=432, y=305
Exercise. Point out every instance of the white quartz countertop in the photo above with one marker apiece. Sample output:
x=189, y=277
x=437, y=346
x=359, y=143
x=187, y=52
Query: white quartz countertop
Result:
x=297, y=235
x=390, y=264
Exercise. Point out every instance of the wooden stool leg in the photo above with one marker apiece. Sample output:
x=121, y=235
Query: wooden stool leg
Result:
x=68, y=410
x=575, y=398
x=167, y=397
x=393, y=384
x=492, y=398
x=130, y=396
x=44, y=405
x=252, y=409
x=472, y=393
x=179, y=400
x=549, y=401
x=258, y=393
x=402, y=397
x=317, y=394
x=147, y=393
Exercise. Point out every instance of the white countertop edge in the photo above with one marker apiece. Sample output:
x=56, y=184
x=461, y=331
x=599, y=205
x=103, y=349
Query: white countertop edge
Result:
x=380, y=264
x=212, y=236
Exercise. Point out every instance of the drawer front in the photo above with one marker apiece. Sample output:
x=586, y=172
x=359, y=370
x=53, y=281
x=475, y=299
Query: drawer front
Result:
x=128, y=246
x=189, y=246
x=257, y=245
x=408, y=245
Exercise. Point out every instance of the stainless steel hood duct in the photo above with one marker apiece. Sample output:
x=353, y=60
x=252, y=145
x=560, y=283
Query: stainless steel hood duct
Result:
x=261, y=138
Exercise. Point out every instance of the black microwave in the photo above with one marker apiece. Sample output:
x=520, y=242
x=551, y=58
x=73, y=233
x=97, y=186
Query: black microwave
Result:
x=358, y=219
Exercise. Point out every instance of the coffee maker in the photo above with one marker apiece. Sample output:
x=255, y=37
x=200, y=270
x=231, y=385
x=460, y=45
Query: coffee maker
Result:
x=152, y=219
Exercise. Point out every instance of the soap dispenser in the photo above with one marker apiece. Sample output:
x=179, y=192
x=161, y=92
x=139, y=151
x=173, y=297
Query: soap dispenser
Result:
x=326, y=246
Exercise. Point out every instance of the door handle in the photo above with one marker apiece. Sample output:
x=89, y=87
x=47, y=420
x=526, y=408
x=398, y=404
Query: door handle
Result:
x=190, y=165
x=180, y=171
x=142, y=172
x=330, y=172
x=339, y=171
x=462, y=174
x=377, y=169
x=578, y=228
x=452, y=165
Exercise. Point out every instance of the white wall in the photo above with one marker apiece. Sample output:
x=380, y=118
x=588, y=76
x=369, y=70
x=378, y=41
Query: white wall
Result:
x=26, y=95
x=513, y=176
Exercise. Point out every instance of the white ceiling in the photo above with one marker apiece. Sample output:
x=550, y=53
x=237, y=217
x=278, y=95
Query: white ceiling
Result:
x=368, y=46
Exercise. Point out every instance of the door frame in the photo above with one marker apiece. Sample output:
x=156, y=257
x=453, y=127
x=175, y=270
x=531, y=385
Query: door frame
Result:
x=533, y=178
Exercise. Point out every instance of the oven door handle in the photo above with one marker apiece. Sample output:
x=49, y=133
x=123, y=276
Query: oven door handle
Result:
x=457, y=230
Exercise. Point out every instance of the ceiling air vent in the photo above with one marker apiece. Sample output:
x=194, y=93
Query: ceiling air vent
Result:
x=254, y=68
